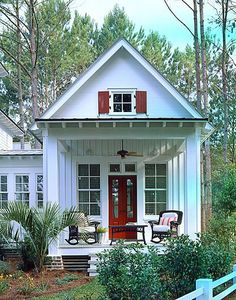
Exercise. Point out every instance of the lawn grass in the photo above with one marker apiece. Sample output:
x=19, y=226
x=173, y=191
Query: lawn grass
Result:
x=90, y=291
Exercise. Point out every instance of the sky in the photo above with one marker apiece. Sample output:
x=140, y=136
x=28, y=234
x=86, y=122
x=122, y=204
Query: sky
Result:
x=152, y=15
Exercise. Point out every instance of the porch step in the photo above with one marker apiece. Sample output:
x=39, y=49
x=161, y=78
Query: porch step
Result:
x=92, y=270
x=54, y=263
x=9, y=253
x=75, y=262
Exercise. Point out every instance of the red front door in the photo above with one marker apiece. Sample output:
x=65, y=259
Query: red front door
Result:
x=122, y=203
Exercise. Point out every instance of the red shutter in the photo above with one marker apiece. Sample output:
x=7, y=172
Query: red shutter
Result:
x=141, y=102
x=103, y=102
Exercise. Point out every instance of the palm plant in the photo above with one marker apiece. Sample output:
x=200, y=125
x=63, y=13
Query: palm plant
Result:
x=40, y=226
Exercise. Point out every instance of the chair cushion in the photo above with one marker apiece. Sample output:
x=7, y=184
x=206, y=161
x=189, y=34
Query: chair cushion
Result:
x=167, y=218
x=82, y=220
x=161, y=228
x=86, y=229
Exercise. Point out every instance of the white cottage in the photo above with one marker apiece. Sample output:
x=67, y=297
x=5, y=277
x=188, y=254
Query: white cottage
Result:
x=122, y=144
x=20, y=170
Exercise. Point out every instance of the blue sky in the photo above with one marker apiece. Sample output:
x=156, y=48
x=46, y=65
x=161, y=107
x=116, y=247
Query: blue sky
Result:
x=150, y=14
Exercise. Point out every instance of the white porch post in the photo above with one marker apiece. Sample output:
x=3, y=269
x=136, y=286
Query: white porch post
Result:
x=52, y=170
x=192, y=207
x=51, y=177
x=45, y=164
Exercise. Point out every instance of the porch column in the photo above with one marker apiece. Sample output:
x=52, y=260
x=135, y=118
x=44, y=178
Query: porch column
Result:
x=192, y=207
x=52, y=170
x=50, y=177
x=45, y=165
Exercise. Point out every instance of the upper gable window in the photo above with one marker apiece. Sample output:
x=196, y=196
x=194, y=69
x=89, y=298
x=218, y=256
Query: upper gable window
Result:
x=122, y=102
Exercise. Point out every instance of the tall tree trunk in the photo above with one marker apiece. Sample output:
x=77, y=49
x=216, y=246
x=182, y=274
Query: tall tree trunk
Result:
x=207, y=197
x=34, y=73
x=224, y=8
x=197, y=55
x=34, y=77
x=19, y=75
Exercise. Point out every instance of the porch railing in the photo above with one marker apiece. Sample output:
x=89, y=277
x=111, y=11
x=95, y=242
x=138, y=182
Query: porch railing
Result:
x=204, y=288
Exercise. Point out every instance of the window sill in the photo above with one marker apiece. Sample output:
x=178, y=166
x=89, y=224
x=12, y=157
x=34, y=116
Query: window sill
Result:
x=122, y=114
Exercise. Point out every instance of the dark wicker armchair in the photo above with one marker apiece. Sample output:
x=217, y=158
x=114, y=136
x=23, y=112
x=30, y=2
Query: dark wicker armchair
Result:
x=85, y=230
x=166, y=226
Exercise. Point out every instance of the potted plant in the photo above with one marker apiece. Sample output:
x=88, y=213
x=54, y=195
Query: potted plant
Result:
x=101, y=234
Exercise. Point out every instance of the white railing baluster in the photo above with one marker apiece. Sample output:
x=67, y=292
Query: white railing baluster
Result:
x=206, y=284
x=204, y=288
x=234, y=270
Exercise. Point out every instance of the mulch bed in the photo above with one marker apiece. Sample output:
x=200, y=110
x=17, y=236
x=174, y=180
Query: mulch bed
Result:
x=46, y=277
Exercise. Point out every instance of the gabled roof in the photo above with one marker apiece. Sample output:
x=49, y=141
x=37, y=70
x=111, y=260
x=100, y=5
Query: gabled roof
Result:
x=5, y=121
x=3, y=71
x=9, y=125
x=84, y=77
x=32, y=152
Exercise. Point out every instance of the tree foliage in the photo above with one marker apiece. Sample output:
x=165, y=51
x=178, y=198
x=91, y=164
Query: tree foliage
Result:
x=68, y=43
x=117, y=25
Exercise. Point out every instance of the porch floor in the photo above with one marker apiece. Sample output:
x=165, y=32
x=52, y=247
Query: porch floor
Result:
x=86, y=249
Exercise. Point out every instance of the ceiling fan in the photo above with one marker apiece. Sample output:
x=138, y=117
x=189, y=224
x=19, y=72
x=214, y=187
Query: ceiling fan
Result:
x=123, y=153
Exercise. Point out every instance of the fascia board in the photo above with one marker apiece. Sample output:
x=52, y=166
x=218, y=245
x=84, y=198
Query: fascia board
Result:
x=3, y=71
x=10, y=126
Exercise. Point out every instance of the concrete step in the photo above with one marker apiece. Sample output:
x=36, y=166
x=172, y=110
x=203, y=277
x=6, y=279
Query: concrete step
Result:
x=92, y=270
x=75, y=262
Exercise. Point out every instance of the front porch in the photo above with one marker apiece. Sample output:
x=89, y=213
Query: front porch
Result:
x=159, y=170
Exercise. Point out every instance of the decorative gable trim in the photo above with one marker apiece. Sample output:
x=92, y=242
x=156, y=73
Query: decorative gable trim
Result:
x=103, y=102
x=141, y=102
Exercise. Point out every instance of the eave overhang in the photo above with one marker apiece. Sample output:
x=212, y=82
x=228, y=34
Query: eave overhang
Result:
x=118, y=120
x=62, y=123
x=21, y=153
x=10, y=126
x=3, y=71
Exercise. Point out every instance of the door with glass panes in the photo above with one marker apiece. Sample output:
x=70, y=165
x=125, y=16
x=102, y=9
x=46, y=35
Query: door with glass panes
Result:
x=123, y=203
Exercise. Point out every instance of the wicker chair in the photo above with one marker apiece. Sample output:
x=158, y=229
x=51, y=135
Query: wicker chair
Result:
x=85, y=230
x=166, y=226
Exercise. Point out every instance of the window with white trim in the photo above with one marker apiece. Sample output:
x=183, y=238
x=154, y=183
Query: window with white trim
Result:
x=89, y=189
x=22, y=188
x=155, y=188
x=3, y=191
x=39, y=190
x=122, y=101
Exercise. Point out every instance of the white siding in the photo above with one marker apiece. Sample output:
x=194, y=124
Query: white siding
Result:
x=6, y=141
x=122, y=71
x=27, y=166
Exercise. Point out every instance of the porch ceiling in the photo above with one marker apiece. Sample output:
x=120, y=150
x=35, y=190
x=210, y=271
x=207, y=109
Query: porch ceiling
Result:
x=148, y=148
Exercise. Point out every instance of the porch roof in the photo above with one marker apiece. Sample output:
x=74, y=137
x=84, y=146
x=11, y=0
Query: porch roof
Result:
x=114, y=122
x=202, y=123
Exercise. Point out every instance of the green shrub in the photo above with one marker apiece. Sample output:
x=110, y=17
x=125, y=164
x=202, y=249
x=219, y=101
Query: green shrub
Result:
x=27, y=287
x=186, y=260
x=127, y=272
x=66, y=279
x=218, y=260
x=17, y=274
x=3, y=286
x=182, y=263
x=221, y=230
x=5, y=268
x=224, y=190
